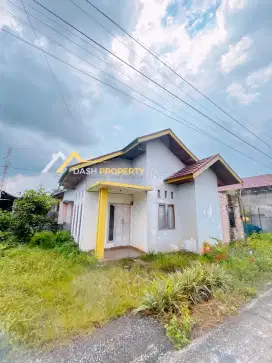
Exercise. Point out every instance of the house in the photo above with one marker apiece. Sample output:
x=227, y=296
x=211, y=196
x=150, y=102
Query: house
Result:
x=244, y=204
x=152, y=195
x=64, y=208
x=6, y=201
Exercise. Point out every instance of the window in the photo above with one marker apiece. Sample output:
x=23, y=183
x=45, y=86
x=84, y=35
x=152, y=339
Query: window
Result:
x=111, y=222
x=166, y=216
x=172, y=195
x=170, y=216
x=231, y=217
x=162, y=219
x=165, y=194
x=159, y=193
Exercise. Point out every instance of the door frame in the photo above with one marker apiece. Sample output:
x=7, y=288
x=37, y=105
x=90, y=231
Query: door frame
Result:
x=109, y=244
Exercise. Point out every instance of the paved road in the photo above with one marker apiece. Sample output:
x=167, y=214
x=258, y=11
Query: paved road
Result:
x=128, y=339
x=246, y=338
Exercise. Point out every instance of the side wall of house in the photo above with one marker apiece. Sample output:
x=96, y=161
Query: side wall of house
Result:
x=187, y=216
x=160, y=164
x=207, y=208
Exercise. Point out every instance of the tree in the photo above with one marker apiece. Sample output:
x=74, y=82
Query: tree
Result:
x=30, y=214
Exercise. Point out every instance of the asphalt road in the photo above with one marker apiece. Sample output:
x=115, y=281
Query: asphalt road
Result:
x=246, y=338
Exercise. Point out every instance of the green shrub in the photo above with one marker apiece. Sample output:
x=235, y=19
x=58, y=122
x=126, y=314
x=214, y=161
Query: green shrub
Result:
x=63, y=237
x=5, y=220
x=43, y=239
x=30, y=215
x=179, y=328
x=149, y=256
x=193, y=285
x=170, y=262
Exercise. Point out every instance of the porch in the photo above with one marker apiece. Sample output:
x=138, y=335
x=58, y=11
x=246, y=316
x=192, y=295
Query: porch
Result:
x=117, y=253
x=121, y=219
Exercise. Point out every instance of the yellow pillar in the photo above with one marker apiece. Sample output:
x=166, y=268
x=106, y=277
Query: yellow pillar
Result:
x=101, y=223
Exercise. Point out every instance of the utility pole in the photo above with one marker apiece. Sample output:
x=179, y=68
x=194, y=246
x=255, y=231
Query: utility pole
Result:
x=5, y=170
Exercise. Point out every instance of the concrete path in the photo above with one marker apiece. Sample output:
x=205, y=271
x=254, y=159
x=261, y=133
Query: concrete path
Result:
x=246, y=338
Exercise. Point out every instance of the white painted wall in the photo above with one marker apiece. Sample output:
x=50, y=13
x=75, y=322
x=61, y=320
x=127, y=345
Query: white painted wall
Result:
x=187, y=216
x=160, y=164
x=139, y=221
x=207, y=208
x=116, y=163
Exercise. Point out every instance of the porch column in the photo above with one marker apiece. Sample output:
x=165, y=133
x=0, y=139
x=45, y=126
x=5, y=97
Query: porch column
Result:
x=101, y=223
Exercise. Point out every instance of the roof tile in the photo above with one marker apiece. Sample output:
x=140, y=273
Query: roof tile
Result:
x=251, y=182
x=190, y=169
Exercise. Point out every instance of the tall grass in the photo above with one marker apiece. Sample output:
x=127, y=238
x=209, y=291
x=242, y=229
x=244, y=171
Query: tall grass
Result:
x=46, y=297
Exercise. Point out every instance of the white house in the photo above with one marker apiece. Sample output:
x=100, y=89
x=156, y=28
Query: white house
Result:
x=154, y=194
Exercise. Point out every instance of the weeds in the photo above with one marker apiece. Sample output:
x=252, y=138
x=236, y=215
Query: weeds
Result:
x=179, y=328
x=45, y=297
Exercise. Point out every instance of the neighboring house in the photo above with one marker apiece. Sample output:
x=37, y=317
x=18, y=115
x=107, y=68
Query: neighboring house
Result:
x=6, y=201
x=249, y=203
x=154, y=195
x=65, y=207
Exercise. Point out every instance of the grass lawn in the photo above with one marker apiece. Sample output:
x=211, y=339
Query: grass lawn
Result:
x=46, y=297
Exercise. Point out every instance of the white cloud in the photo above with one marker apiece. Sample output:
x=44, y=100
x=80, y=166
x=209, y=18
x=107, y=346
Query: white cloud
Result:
x=19, y=183
x=238, y=54
x=246, y=92
x=237, y=4
x=241, y=94
x=258, y=78
x=41, y=42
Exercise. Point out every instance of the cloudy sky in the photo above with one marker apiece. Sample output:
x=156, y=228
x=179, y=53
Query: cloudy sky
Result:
x=222, y=47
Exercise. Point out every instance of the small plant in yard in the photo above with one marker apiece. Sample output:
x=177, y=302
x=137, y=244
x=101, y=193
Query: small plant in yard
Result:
x=43, y=239
x=149, y=256
x=179, y=328
x=193, y=285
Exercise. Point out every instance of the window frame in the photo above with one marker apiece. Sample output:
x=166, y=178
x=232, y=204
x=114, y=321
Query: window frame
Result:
x=165, y=217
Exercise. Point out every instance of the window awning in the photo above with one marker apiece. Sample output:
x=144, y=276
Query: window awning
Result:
x=120, y=188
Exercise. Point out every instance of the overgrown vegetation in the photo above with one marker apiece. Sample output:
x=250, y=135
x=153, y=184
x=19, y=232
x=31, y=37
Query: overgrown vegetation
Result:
x=50, y=291
x=30, y=215
x=45, y=297
x=223, y=278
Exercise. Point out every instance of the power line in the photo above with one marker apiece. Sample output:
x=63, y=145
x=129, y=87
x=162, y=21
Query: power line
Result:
x=48, y=64
x=157, y=70
x=109, y=75
x=195, y=128
x=122, y=73
x=156, y=83
x=171, y=69
x=5, y=170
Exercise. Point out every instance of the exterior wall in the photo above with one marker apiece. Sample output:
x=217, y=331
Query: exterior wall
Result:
x=257, y=203
x=228, y=233
x=207, y=208
x=161, y=163
x=188, y=217
x=118, y=163
x=138, y=233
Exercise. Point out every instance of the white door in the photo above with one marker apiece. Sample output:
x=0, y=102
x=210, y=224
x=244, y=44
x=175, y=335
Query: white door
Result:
x=121, y=224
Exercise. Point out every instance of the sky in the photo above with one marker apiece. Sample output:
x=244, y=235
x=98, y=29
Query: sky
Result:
x=223, y=48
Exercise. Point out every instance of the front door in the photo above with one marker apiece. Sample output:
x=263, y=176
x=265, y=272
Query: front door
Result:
x=119, y=224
